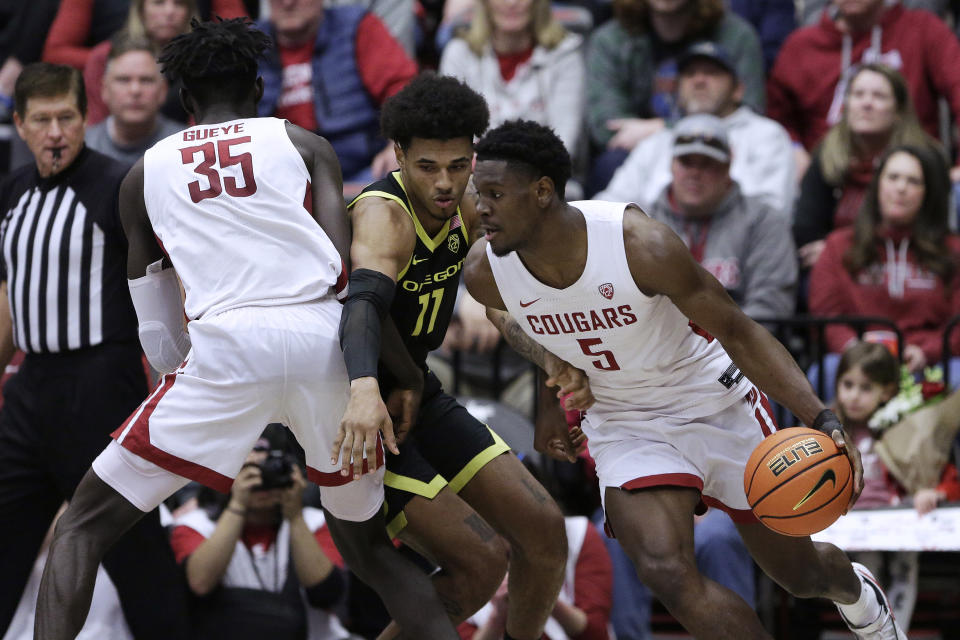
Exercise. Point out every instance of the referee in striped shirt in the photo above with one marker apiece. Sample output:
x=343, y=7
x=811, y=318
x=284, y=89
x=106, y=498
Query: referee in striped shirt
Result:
x=64, y=301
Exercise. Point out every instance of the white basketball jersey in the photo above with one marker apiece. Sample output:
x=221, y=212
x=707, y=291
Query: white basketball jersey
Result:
x=640, y=353
x=227, y=203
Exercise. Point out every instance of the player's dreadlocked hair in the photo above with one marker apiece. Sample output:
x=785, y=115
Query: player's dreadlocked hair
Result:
x=530, y=147
x=435, y=108
x=216, y=60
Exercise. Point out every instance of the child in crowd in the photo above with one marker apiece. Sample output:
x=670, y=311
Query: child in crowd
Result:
x=867, y=378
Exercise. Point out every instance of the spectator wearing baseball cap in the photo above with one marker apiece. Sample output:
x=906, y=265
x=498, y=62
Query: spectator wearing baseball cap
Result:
x=707, y=82
x=632, y=70
x=739, y=239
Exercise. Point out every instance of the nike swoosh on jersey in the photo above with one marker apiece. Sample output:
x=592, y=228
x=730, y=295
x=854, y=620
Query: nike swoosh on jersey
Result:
x=415, y=261
x=828, y=476
x=527, y=304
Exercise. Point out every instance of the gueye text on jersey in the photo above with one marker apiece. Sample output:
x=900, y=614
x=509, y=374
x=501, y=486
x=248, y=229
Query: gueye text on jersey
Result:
x=191, y=135
x=439, y=276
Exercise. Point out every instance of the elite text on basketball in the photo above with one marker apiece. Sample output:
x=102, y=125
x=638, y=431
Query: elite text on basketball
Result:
x=788, y=457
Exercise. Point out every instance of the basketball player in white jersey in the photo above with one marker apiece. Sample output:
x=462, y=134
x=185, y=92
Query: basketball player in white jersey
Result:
x=675, y=368
x=250, y=212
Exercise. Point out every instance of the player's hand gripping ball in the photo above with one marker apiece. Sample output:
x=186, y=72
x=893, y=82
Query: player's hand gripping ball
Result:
x=797, y=481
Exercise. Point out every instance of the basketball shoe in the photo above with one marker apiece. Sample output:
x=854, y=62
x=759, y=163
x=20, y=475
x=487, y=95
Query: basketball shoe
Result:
x=885, y=627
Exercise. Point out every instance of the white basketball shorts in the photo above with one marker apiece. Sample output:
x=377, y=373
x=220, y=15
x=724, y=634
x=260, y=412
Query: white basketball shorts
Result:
x=247, y=367
x=708, y=454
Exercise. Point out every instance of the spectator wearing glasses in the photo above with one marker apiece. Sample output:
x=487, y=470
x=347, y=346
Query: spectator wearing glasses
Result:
x=739, y=239
x=707, y=82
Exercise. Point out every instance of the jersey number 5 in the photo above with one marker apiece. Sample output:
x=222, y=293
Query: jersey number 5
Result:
x=609, y=363
x=220, y=155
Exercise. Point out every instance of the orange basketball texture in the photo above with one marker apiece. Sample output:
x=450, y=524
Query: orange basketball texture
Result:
x=798, y=481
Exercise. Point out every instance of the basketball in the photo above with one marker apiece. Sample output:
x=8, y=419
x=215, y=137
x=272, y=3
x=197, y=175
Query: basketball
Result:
x=798, y=481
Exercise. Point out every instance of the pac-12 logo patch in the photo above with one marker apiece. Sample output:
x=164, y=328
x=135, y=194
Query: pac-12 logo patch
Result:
x=606, y=290
x=453, y=243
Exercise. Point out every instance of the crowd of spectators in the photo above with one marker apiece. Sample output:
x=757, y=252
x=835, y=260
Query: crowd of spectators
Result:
x=805, y=152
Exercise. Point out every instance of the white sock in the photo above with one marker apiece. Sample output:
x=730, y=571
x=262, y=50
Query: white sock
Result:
x=866, y=609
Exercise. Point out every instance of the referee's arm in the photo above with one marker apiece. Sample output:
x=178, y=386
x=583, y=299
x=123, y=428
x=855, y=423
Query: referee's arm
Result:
x=6, y=329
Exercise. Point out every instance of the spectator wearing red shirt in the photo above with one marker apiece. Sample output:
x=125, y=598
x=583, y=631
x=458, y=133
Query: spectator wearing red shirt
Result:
x=81, y=24
x=330, y=72
x=899, y=260
x=253, y=564
x=806, y=87
x=877, y=115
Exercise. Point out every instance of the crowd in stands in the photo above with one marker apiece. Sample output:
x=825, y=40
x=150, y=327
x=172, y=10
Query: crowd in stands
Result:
x=805, y=152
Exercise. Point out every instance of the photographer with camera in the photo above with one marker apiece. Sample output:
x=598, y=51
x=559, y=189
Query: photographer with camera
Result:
x=254, y=559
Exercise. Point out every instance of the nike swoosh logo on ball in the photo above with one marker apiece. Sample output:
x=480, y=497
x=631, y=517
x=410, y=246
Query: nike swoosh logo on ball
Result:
x=828, y=476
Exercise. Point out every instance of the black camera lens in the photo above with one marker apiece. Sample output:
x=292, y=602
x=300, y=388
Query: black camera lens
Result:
x=276, y=471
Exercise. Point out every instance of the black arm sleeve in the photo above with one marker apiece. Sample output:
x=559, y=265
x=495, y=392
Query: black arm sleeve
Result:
x=371, y=294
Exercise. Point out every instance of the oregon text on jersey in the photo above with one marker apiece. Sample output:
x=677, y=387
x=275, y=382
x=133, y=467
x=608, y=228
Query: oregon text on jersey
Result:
x=427, y=286
x=431, y=278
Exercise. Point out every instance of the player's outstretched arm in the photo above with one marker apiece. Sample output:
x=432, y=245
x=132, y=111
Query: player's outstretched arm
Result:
x=383, y=240
x=661, y=264
x=154, y=286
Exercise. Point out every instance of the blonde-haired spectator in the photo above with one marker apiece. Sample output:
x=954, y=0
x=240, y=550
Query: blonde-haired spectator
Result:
x=524, y=63
x=81, y=24
x=158, y=22
x=877, y=115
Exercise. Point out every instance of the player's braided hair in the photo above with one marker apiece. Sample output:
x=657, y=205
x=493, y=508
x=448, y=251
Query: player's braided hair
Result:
x=216, y=60
x=435, y=108
x=531, y=147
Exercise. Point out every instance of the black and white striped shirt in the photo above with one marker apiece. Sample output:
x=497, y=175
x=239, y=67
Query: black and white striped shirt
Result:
x=64, y=256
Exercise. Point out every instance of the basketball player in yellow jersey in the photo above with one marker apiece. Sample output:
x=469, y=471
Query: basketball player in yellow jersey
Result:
x=646, y=322
x=454, y=484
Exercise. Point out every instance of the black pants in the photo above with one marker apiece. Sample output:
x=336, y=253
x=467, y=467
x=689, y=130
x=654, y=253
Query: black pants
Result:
x=57, y=416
